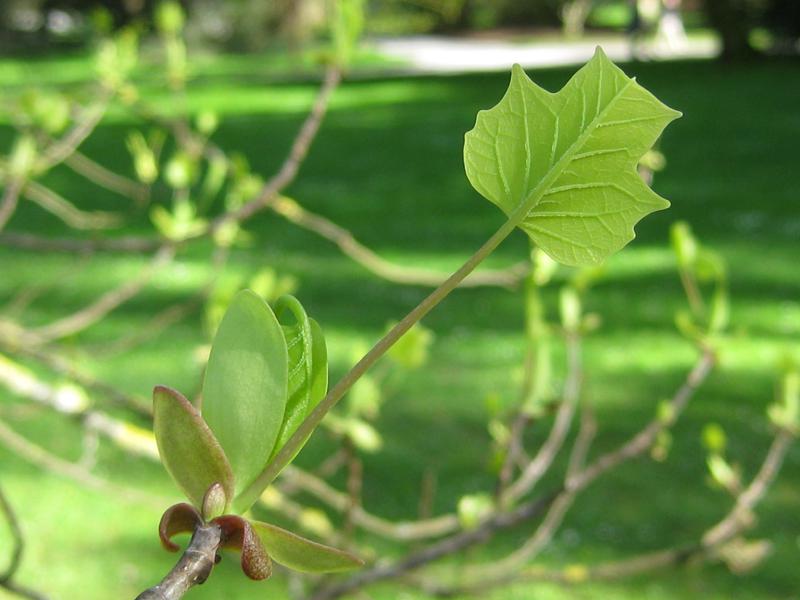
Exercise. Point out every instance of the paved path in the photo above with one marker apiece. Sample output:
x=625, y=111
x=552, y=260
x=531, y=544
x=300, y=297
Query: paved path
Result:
x=436, y=54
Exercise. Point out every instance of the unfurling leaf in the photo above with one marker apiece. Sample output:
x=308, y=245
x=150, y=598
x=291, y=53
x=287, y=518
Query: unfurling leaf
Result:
x=244, y=392
x=178, y=518
x=308, y=366
x=301, y=554
x=188, y=448
x=571, y=158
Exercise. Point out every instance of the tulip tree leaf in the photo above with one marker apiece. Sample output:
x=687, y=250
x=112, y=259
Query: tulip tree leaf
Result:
x=308, y=366
x=245, y=387
x=300, y=554
x=571, y=156
x=188, y=448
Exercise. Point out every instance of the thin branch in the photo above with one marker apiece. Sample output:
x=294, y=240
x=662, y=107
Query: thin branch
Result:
x=7, y=576
x=128, y=244
x=60, y=149
x=404, y=531
x=445, y=547
x=540, y=464
x=66, y=211
x=642, y=441
x=96, y=311
x=741, y=515
x=385, y=269
x=297, y=154
x=104, y=177
x=8, y=204
x=193, y=567
x=50, y=462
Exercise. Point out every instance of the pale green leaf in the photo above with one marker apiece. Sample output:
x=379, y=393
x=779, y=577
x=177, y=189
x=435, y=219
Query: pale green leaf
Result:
x=245, y=387
x=301, y=554
x=308, y=366
x=188, y=448
x=571, y=158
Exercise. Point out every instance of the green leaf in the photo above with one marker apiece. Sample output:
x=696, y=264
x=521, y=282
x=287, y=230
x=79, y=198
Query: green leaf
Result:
x=188, y=448
x=308, y=366
x=569, y=159
x=300, y=554
x=245, y=387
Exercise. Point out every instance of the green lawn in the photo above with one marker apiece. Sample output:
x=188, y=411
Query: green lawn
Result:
x=387, y=165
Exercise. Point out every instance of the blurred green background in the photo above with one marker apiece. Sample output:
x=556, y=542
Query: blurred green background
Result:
x=387, y=165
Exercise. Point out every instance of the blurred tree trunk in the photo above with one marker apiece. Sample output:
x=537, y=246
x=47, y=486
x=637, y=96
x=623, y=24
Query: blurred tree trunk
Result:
x=732, y=20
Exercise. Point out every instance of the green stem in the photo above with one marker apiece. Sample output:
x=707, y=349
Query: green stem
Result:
x=293, y=445
x=295, y=442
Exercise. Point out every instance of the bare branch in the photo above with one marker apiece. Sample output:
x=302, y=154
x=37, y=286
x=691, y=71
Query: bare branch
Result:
x=8, y=204
x=193, y=568
x=66, y=145
x=44, y=459
x=7, y=576
x=385, y=269
x=404, y=531
x=66, y=211
x=26, y=241
x=100, y=175
x=297, y=154
x=544, y=458
x=93, y=313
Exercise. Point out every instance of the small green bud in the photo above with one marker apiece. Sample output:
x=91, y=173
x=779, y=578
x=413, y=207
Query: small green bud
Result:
x=215, y=503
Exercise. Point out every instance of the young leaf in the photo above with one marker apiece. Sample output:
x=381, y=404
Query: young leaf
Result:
x=308, y=366
x=188, y=448
x=571, y=156
x=301, y=554
x=244, y=392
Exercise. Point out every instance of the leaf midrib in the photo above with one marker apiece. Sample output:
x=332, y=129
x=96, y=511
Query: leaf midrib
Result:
x=527, y=206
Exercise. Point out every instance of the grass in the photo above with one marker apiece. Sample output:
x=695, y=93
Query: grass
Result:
x=387, y=165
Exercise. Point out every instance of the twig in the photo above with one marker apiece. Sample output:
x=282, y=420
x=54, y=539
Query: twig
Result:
x=66, y=211
x=100, y=175
x=740, y=516
x=447, y=546
x=297, y=154
x=44, y=459
x=647, y=436
x=544, y=458
x=385, y=269
x=8, y=204
x=404, y=531
x=66, y=145
x=7, y=576
x=192, y=569
x=93, y=313
x=128, y=244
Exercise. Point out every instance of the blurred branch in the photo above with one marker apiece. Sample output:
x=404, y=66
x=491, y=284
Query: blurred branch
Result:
x=8, y=203
x=385, y=269
x=501, y=519
x=40, y=457
x=66, y=211
x=60, y=149
x=404, y=531
x=740, y=517
x=104, y=177
x=291, y=164
x=91, y=314
x=7, y=577
x=132, y=244
x=540, y=464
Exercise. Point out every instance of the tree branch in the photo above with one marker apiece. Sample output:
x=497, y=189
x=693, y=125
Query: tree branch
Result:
x=7, y=577
x=192, y=569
